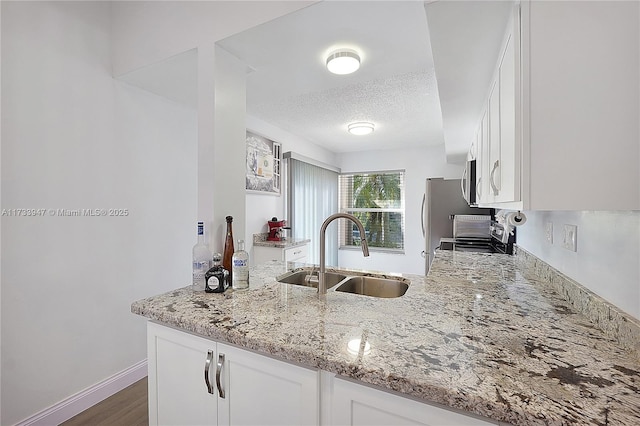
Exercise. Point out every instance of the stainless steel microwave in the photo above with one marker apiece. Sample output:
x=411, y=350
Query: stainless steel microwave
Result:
x=468, y=183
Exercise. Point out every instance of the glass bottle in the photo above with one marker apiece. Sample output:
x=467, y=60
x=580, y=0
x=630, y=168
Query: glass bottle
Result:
x=228, y=249
x=216, y=278
x=201, y=260
x=240, y=268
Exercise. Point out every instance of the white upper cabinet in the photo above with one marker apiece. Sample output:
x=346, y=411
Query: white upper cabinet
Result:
x=580, y=76
x=508, y=171
x=482, y=163
x=493, y=158
x=563, y=108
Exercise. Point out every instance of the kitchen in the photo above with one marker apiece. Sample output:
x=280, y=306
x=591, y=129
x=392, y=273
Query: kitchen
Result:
x=73, y=137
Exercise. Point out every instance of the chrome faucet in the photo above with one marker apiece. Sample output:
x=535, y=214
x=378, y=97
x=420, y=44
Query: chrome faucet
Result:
x=322, y=285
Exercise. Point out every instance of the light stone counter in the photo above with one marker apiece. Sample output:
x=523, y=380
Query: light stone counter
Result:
x=475, y=335
x=260, y=240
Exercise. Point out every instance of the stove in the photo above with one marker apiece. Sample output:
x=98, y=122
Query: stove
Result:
x=479, y=233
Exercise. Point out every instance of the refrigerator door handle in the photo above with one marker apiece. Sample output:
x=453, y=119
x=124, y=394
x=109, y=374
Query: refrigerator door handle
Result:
x=424, y=200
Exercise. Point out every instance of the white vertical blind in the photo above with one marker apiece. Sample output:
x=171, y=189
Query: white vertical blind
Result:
x=312, y=197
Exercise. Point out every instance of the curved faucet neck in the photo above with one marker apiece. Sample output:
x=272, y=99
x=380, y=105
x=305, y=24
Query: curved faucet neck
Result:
x=322, y=288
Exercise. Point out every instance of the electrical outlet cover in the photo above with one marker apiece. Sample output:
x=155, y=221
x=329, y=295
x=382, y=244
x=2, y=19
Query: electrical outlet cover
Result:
x=548, y=232
x=570, y=237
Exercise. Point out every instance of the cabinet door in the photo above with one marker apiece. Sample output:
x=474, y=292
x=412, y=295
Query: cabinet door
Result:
x=263, y=391
x=177, y=362
x=482, y=163
x=508, y=172
x=358, y=405
x=296, y=254
x=494, y=142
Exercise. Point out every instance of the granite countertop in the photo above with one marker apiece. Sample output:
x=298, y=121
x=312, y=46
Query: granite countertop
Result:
x=281, y=244
x=475, y=335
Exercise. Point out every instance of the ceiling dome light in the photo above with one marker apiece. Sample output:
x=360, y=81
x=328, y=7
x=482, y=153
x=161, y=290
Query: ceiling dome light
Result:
x=361, y=128
x=344, y=61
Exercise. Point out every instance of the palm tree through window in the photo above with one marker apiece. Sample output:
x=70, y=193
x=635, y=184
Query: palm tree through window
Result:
x=377, y=199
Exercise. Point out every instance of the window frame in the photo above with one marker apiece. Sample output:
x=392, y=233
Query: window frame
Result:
x=343, y=202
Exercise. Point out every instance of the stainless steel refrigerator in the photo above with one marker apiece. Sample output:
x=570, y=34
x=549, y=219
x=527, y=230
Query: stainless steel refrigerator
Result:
x=442, y=199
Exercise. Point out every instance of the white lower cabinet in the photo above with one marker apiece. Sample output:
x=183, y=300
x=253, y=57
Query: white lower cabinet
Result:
x=264, y=391
x=359, y=405
x=177, y=391
x=196, y=381
x=289, y=254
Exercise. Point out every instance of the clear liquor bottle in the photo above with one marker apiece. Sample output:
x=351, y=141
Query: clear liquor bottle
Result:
x=240, y=274
x=201, y=260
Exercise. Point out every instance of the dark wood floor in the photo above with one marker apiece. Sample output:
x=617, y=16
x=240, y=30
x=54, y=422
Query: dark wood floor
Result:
x=129, y=407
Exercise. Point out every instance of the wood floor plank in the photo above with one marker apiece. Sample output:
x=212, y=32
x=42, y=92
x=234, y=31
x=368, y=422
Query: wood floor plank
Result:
x=129, y=407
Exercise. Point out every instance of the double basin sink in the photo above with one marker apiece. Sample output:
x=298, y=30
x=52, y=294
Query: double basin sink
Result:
x=343, y=282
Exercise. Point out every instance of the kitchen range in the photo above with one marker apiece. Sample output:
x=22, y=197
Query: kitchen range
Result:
x=480, y=233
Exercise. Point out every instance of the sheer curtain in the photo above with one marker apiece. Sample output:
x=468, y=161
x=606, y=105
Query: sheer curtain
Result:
x=312, y=196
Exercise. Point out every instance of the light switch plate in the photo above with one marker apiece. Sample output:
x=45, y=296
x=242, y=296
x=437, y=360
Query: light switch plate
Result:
x=570, y=237
x=548, y=232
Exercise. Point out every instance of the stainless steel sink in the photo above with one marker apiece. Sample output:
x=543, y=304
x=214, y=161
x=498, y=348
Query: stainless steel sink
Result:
x=356, y=284
x=373, y=286
x=302, y=278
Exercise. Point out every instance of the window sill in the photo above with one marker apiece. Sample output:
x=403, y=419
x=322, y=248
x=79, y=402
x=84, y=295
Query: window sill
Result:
x=373, y=249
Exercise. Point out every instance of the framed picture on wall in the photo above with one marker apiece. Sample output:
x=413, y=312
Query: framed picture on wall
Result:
x=264, y=158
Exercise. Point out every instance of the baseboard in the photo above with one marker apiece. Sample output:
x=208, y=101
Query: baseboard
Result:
x=76, y=404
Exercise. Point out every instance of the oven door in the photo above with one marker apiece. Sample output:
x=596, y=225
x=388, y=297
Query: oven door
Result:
x=478, y=246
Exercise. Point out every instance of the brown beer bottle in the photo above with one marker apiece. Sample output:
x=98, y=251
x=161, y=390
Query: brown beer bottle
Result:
x=227, y=261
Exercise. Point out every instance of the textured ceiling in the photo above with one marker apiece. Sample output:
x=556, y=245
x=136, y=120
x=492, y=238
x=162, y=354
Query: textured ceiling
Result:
x=403, y=49
x=395, y=88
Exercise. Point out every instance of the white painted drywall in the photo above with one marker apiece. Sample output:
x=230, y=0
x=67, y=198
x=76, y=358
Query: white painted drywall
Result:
x=145, y=32
x=0, y=220
x=262, y=207
x=229, y=150
x=607, y=260
x=73, y=138
x=419, y=165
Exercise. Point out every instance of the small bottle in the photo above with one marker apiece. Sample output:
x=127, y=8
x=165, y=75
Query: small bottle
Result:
x=240, y=268
x=228, y=249
x=201, y=260
x=216, y=278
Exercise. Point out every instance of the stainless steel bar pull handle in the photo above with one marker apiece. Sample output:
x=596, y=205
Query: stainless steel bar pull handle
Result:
x=424, y=200
x=207, y=365
x=495, y=188
x=218, y=374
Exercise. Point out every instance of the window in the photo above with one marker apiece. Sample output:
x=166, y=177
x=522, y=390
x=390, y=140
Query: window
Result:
x=377, y=199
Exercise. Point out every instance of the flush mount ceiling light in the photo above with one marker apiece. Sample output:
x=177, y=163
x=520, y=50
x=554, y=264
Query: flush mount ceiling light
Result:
x=343, y=61
x=360, y=128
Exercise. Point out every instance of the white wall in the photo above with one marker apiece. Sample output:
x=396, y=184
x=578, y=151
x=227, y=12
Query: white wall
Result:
x=229, y=152
x=608, y=257
x=262, y=207
x=73, y=138
x=145, y=32
x=0, y=220
x=419, y=164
